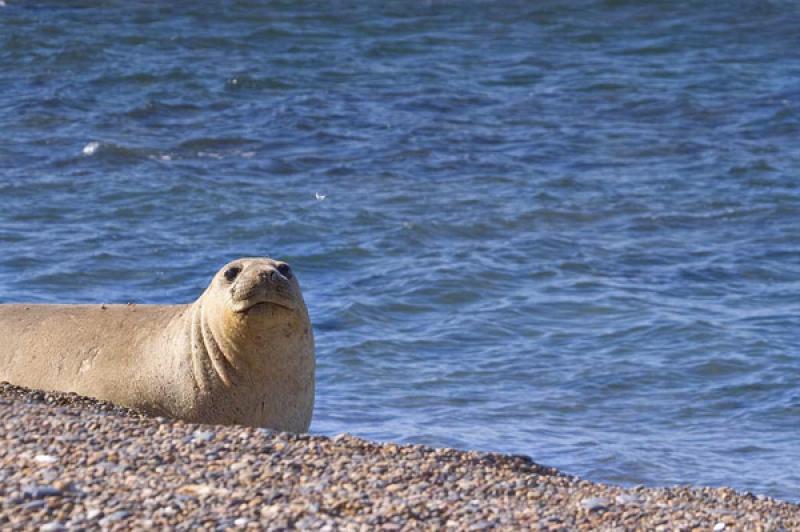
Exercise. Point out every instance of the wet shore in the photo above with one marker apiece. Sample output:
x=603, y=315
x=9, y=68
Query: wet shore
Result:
x=68, y=462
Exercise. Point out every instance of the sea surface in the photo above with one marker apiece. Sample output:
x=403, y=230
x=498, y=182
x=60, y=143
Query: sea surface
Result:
x=563, y=229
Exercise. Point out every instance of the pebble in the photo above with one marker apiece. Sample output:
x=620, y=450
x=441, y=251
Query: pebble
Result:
x=40, y=492
x=203, y=436
x=34, y=505
x=627, y=498
x=112, y=518
x=53, y=526
x=119, y=469
x=596, y=504
x=93, y=513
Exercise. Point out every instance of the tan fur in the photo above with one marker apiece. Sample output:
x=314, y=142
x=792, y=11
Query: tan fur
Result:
x=218, y=360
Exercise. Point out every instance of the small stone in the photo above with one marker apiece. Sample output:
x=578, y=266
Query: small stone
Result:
x=241, y=522
x=719, y=527
x=40, y=492
x=270, y=511
x=627, y=498
x=342, y=436
x=596, y=504
x=116, y=516
x=201, y=490
x=93, y=513
x=34, y=505
x=203, y=435
x=52, y=526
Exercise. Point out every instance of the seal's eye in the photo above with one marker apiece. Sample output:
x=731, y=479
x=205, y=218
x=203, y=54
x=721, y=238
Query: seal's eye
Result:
x=285, y=270
x=231, y=273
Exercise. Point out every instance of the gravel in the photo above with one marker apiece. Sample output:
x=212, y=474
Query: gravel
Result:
x=68, y=462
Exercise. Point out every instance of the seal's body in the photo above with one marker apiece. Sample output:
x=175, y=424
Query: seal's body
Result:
x=242, y=353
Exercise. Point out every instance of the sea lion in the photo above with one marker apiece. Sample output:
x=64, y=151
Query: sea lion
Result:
x=242, y=353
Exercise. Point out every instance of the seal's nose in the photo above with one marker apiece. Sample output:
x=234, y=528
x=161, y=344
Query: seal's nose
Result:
x=266, y=275
x=271, y=275
x=280, y=272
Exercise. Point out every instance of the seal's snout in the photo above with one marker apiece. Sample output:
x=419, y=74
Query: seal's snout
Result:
x=254, y=282
x=273, y=277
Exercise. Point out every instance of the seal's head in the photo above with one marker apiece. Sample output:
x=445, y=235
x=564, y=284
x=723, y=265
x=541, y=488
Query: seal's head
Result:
x=253, y=303
x=252, y=326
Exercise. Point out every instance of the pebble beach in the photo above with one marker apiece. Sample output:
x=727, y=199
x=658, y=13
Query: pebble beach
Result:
x=68, y=463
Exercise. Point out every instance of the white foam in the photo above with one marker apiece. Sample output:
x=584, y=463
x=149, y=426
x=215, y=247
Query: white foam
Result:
x=91, y=148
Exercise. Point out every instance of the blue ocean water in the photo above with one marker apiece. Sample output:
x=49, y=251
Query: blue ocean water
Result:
x=564, y=229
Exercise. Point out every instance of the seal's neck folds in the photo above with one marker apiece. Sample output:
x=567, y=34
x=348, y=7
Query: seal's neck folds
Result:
x=207, y=353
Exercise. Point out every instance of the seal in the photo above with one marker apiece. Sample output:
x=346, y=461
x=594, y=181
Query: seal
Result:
x=242, y=353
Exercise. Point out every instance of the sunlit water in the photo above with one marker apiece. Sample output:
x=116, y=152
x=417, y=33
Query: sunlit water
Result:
x=570, y=231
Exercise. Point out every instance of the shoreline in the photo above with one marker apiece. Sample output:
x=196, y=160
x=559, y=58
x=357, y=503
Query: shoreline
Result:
x=72, y=462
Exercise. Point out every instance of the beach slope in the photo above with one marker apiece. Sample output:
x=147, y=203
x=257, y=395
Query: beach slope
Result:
x=70, y=462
